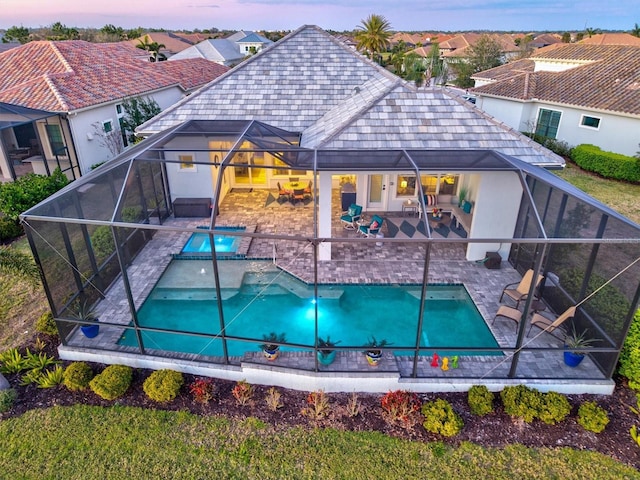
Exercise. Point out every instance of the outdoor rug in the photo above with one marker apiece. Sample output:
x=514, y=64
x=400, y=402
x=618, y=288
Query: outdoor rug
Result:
x=273, y=201
x=401, y=227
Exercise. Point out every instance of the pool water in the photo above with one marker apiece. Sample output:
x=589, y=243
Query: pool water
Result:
x=201, y=242
x=275, y=302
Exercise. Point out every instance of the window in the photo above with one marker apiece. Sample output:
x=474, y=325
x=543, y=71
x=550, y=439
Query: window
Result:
x=547, y=124
x=445, y=184
x=123, y=130
x=186, y=163
x=591, y=122
x=406, y=186
x=56, y=142
x=107, y=126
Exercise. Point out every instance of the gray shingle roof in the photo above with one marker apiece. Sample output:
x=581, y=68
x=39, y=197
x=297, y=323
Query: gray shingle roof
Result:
x=312, y=83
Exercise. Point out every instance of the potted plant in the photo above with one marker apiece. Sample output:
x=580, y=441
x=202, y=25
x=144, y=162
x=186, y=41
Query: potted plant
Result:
x=574, y=344
x=270, y=347
x=85, y=313
x=462, y=195
x=373, y=351
x=326, y=353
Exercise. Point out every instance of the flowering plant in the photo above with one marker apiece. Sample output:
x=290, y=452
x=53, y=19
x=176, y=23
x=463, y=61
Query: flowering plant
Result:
x=202, y=390
x=400, y=406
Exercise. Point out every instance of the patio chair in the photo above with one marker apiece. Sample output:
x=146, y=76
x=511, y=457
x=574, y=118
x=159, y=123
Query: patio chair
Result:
x=510, y=313
x=351, y=216
x=298, y=195
x=308, y=191
x=550, y=325
x=282, y=193
x=373, y=228
x=522, y=290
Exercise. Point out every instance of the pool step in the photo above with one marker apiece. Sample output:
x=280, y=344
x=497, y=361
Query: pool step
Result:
x=440, y=293
x=191, y=294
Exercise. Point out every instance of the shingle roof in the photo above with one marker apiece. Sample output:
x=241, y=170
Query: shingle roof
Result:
x=341, y=99
x=606, y=78
x=64, y=76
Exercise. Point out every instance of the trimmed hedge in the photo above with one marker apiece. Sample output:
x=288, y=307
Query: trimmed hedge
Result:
x=163, y=385
x=77, y=376
x=46, y=324
x=480, y=400
x=608, y=164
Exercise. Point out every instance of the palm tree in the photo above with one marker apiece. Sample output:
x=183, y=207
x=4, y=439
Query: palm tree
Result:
x=13, y=262
x=591, y=31
x=156, y=55
x=635, y=31
x=373, y=35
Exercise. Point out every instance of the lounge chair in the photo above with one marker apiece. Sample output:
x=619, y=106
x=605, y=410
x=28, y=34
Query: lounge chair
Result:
x=510, y=313
x=283, y=194
x=373, y=228
x=522, y=290
x=351, y=216
x=550, y=325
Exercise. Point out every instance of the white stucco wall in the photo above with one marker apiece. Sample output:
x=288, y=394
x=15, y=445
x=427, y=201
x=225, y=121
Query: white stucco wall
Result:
x=496, y=197
x=195, y=183
x=87, y=145
x=616, y=133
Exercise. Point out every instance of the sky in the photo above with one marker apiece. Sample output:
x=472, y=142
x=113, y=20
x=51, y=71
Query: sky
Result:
x=340, y=15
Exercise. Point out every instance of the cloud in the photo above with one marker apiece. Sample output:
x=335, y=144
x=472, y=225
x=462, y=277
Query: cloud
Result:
x=213, y=5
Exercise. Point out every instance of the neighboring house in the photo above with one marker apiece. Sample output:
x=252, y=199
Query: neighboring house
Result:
x=219, y=50
x=457, y=48
x=611, y=39
x=546, y=39
x=251, y=43
x=172, y=42
x=82, y=86
x=288, y=116
x=576, y=93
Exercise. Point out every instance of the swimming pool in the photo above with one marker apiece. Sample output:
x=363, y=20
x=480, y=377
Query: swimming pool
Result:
x=201, y=242
x=256, y=303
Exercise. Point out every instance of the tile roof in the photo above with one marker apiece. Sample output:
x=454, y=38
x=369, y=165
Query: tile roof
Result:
x=611, y=39
x=172, y=42
x=341, y=99
x=63, y=76
x=605, y=77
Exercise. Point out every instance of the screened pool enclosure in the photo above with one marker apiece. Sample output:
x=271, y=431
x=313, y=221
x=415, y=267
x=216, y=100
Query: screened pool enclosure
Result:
x=113, y=239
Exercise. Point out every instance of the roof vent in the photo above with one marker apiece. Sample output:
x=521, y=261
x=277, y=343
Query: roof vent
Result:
x=356, y=90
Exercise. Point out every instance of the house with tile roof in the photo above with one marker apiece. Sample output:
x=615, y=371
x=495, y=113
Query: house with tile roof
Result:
x=212, y=165
x=84, y=85
x=172, y=42
x=341, y=100
x=575, y=93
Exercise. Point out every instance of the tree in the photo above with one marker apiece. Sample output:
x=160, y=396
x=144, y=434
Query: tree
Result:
x=153, y=48
x=566, y=37
x=373, y=35
x=20, y=34
x=591, y=31
x=525, y=46
x=137, y=111
x=635, y=31
x=62, y=32
x=415, y=70
x=485, y=54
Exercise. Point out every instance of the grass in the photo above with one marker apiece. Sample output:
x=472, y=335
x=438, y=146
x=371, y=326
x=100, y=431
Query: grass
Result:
x=134, y=443
x=621, y=196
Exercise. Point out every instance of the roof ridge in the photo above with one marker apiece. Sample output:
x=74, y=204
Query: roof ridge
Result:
x=54, y=89
x=60, y=56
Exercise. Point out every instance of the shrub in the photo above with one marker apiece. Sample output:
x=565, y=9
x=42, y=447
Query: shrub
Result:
x=273, y=399
x=113, y=382
x=554, y=409
x=202, y=390
x=46, y=324
x=38, y=361
x=12, y=361
x=592, y=417
x=50, y=378
x=607, y=164
x=243, y=392
x=522, y=402
x=441, y=418
x=77, y=376
x=163, y=385
x=629, y=365
x=400, y=406
x=317, y=405
x=29, y=190
x=480, y=400
x=102, y=243
x=9, y=228
x=7, y=399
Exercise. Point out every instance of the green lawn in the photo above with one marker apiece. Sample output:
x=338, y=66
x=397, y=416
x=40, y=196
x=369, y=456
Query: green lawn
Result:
x=121, y=442
x=622, y=197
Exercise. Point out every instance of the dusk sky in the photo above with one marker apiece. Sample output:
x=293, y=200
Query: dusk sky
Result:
x=420, y=15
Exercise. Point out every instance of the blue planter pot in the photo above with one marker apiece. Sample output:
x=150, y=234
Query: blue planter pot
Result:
x=90, y=331
x=326, y=358
x=572, y=359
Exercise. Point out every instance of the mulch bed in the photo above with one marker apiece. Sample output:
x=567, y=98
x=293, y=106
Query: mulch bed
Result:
x=494, y=430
